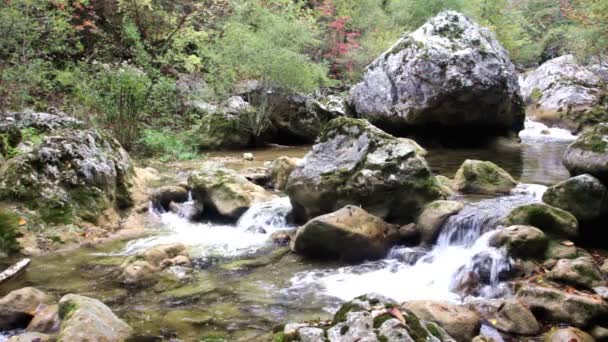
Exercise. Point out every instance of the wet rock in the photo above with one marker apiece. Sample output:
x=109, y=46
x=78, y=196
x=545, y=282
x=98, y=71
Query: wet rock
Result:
x=578, y=272
x=257, y=175
x=248, y=156
x=143, y=269
x=68, y=172
x=589, y=153
x=458, y=321
x=558, y=250
x=224, y=191
x=356, y=163
x=567, y=335
x=564, y=93
x=583, y=196
x=558, y=306
x=18, y=307
x=604, y=267
x=468, y=81
x=433, y=216
x=515, y=318
x=552, y=221
x=87, y=319
x=447, y=184
x=481, y=177
x=32, y=337
x=191, y=211
x=139, y=273
x=349, y=234
x=46, y=320
x=163, y=196
x=521, y=241
x=308, y=334
x=281, y=169
x=599, y=333
x=282, y=237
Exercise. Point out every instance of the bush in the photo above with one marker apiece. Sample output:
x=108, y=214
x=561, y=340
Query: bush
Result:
x=9, y=232
x=168, y=145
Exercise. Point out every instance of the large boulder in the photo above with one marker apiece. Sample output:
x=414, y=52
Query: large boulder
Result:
x=460, y=322
x=224, y=191
x=89, y=320
x=559, y=306
x=349, y=234
x=552, y=221
x=356, y=163
x=564, y=93
x=222, y=131
x=450, y=73
x=61, y=169
x=432, y=218
x=589, y=153
x=482, y=177
x=583, y=196
x=521, y=241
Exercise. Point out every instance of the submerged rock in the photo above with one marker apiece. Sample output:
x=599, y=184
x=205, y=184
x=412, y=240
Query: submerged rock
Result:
x=66, y=172
x=589, y=153
x=583, y=196
x=433, y=216
x=349, y=234
x=521, y=241
x=578, y=272
x=481, y=177
x=87, y=319
x=225, y=191
x=458, y=321
x=558, y=306
x=450, y=73
x=564, y=93
x=550, y=220
x=143, y=268
x=356, y=163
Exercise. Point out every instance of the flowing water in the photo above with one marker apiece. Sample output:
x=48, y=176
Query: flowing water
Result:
x=221, y=300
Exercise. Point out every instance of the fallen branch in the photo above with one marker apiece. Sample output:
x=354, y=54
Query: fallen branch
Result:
x=14, y=271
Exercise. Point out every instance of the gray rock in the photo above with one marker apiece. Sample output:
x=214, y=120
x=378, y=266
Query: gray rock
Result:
x=564, y=93
x=583, y=196
x=569, y=334
x=589, y=153
x=521, y=241
x=18, y=307
x=482, y=177
x=578, y=272
x=222, y=131
x=349, y=234
x=31, y=337
x=355, y=163
x=89, y=320
x=552, y=221
x=557, y=306
x=281, y=169
x=433, y=216
x=450, y=72
x=515, y=318
x=458, y=321
x=163, y=196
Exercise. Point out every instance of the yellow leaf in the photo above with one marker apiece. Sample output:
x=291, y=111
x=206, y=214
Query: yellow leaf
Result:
x=493, y=321
x=22, y=221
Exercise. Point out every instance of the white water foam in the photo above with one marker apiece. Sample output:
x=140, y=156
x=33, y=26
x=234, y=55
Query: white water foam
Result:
x=536, y=132
x=251, y=232
x=462, y=250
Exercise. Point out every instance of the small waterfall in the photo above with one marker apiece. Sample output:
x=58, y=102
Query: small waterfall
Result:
x=461, y=263
x=209, y=239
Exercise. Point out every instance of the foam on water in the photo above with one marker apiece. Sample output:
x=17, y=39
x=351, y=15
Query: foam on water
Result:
x=462, y=248
x=536, y=132
x=208, y=239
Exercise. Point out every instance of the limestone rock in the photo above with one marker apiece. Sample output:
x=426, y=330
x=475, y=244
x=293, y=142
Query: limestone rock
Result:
x=521, y=241
x=481, y=177
x=433, y=216
x=583, y=196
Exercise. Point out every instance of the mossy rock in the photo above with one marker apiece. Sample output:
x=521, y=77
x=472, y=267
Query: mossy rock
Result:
x=552, y=221
x=222, y=131
x=584, y=196
x=482, y=177
x=589, y=153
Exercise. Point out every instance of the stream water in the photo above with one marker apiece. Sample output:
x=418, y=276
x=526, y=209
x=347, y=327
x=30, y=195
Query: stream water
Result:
x=221, y=302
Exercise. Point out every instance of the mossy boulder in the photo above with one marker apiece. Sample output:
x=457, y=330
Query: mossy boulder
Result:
x=579, y=272
x=552, y=221
x=460, y=322
x=589, y=153
x=554, y=305
x=224, y=191
x=222, y=131
x=433, y=216
x=356, y=163
x=515, y=318
x=583, y=196
x=569, y=334
x=87, y=319
x=521, y=241
x=66, y=172
x=349, y=234
x=482, y=177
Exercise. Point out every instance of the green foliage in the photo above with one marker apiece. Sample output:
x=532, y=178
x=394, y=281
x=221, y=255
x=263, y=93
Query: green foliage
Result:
x=168, y=145
x=9, y=231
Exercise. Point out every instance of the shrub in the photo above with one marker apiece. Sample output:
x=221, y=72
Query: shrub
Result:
x=168, y=145
x=9, y=231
